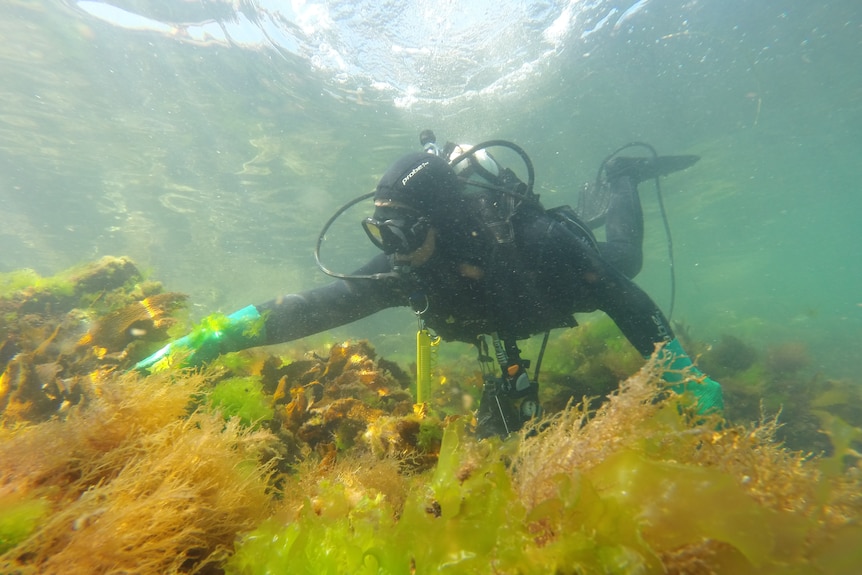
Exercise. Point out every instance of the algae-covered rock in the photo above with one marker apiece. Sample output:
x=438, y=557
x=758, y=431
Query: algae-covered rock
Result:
x=61, y=336
x=267, y=461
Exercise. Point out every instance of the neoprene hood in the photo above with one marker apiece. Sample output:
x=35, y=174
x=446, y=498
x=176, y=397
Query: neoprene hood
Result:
x=421, y=181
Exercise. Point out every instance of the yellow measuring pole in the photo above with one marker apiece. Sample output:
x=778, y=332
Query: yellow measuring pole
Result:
x=424, y=364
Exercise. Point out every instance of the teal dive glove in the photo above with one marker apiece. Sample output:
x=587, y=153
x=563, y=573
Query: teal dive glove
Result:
x=684, y=376
x=216, y=335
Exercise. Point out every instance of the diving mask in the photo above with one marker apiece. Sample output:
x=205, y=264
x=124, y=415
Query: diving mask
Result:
x=402, y=235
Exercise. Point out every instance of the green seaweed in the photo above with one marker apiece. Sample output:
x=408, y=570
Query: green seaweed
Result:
x=18, y=519
x=27, y=279
x=430, y=434
x=242, y=397
x=466, y=518
x=674, y=499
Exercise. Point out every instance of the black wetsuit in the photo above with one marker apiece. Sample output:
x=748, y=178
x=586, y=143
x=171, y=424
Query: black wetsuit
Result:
x=471, y=291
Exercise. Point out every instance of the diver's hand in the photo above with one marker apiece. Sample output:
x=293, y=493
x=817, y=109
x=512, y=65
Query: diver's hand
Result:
x=706, y=391
x=147, y=363
x=216, y=335
x=685, y=377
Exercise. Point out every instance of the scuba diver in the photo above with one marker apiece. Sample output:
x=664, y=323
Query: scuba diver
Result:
x=467, y=244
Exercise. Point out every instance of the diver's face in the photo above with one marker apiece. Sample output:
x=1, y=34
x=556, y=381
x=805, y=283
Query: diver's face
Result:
x=401, y=231
x=422, y=254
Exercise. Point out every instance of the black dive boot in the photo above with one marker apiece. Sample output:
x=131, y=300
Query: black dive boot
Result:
x=646, y=168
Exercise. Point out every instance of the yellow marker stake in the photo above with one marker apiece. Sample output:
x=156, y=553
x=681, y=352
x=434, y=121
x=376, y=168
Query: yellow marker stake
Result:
x=424, y=364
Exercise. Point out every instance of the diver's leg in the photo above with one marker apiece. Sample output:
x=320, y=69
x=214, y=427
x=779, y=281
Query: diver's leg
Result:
x=624, y=227
x=624, y=222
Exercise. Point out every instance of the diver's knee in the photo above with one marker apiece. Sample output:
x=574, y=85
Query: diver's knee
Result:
x=636, y=266
x=626, y=258
x=631, y=264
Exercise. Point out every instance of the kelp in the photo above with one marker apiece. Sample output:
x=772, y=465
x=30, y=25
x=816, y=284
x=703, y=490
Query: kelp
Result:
x=269, y=461
x=61, y=337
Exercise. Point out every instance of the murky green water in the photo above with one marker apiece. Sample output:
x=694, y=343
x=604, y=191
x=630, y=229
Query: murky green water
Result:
x=211, y=140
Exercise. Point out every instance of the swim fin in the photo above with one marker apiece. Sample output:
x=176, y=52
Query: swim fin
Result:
x=646, y=168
